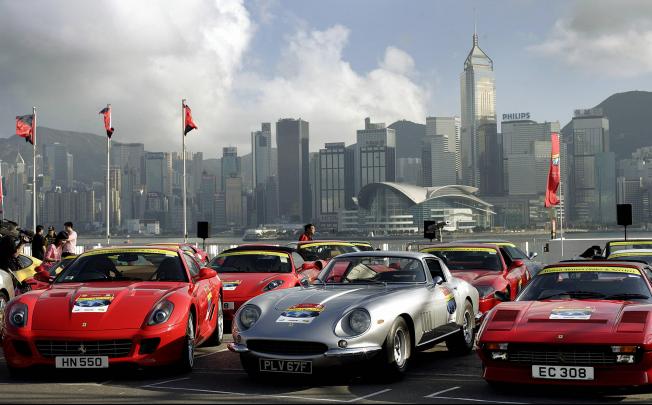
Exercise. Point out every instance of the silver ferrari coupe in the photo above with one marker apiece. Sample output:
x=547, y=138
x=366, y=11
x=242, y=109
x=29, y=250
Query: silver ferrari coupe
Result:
x=376, y=307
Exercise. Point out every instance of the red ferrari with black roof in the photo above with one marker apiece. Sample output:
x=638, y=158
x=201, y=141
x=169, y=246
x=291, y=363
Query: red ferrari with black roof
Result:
x=577, y=323
x=250, y=270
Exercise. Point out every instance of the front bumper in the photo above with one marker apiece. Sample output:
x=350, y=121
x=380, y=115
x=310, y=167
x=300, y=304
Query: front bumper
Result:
x=624, y=375
x=21, y=351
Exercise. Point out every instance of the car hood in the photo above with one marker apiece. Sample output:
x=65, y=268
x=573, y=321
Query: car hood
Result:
x=477, y=277
x=82, y=307
x=252, y=284
x=581, y=317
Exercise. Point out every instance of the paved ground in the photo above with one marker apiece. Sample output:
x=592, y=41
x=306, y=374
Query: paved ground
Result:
x=435, y=377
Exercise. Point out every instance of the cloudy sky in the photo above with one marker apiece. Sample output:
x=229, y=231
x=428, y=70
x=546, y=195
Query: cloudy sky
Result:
x=242, y=62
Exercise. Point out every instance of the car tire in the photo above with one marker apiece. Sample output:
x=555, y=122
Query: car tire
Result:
x=217, y=337
x=397, y=350
x=462, y=342
x=187, y=360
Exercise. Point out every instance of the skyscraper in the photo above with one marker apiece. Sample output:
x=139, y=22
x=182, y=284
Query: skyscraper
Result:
x=59, y=165
x=478, y=136
x=293, y=141
x=230, y=164
x=438, y=163
x=450, y=128
x=376, y=155
x=261, y=145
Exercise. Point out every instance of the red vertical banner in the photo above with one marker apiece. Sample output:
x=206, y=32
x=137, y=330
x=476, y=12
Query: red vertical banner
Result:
x=554, y=175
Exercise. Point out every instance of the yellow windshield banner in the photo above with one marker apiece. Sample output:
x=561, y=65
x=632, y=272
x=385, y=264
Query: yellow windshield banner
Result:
x=630, y=254
x=631, y=243
x=309, y=245
x=590, y=269
x=459, y=249
x=254, y=253
x=118, y=251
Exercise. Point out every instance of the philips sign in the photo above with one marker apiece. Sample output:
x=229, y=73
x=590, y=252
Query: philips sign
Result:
x=516, y=116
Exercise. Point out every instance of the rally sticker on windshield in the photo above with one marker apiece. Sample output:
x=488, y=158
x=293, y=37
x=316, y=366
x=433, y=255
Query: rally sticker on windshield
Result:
x=581, y=314
x=301, y=314
x=92, y=303
x=231, y=285
x=461, y=249
x=590, y=269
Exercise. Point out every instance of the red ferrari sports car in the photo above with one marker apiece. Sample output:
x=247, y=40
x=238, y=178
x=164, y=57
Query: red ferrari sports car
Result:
x=250, y=270
x=199, y=255
x=577, y=323
x=484, y=267
x=144, y=306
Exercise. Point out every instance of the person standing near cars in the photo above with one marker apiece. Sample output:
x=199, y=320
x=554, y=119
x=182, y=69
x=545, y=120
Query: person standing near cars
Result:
x=54, y=253
x=38, y=244
x=50, y=237
x=70, y=247
x=309, y=232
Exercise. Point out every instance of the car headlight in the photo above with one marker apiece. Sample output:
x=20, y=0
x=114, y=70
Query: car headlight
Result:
x=273, y=284
x=359, y=321
x=161, y=313
x=485, y=290
x=249, y=315
x=18, y=315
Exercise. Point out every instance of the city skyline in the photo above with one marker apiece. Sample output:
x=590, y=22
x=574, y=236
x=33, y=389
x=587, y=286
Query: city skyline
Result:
x=386, y=75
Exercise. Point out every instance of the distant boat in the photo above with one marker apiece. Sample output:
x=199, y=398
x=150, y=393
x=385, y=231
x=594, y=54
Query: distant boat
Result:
x=260, y=234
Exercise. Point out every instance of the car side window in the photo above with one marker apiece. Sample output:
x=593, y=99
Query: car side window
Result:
x=24, y=261
x=516, y=253
x=648, y=273
x=193, y=267
x=435, y=269
x=298, y=260
x=506, y=256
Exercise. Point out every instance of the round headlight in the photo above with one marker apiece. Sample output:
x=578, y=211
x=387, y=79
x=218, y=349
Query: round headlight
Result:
x=160, y=316
x=161, y=313
x=359, y=321
x=18, y=315
x=272, y=285
x=249, y=316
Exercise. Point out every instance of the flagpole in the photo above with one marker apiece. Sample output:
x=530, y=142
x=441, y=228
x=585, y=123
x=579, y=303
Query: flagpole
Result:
x=2, y=197
x=183, y=135
x=562, y=203
x=108, y=182
x=34, y=172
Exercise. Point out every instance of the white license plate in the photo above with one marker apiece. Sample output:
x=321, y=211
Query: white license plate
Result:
x=286, y=366
x=563, y=373
x=82, y=362
x=229, y=306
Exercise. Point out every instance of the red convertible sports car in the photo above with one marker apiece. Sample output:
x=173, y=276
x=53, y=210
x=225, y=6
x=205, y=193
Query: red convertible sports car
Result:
x=577, y=323
x=144, y=306
x=250, y=270
x=484, y=267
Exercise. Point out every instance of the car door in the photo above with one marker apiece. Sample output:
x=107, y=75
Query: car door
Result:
x=203, y=295
x=516, y=276
x=445, y=299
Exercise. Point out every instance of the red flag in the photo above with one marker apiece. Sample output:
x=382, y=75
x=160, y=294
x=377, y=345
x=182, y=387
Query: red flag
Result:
x=107, y=121
x=554, y=175
x=25, y=127
x=190, y=124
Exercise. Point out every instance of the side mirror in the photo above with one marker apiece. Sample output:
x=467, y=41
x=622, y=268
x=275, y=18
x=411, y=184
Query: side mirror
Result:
x=43, y=276
x=502, y=296
x=438, y=280
x=533, y=255
x=206, y=274
x=517, y=263
x=305, y=282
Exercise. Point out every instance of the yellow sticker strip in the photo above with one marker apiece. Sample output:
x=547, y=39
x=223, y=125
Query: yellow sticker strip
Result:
x=631, y=243
x=458, y=249
x=309, y=245
x=630, y=254
x=254, y=253
x=590, y=269
x=97, y=252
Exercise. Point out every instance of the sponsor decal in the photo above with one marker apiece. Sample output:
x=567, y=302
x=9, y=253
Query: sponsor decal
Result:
x=231, y=285
x=451, y=305
x=309, y=245
x=630, y=254
x=92, y=303
x=590, y=269
x=631, y=243
x=119, y=251
x=563, y=313
x=255, y=253
x=209, y=298
x=301, y=314
x=460, y=249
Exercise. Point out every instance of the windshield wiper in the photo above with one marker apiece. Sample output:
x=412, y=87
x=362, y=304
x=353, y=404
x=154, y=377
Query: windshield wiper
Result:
x=574, y=295
x=627, y=296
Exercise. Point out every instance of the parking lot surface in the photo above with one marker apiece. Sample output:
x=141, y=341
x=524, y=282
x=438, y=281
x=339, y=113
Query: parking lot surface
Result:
x=434, y=377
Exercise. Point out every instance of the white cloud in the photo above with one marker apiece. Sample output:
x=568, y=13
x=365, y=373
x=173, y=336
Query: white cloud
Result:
x=612, y=38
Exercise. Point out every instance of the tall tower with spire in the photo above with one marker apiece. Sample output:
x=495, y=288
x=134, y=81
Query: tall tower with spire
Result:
x=478, y=130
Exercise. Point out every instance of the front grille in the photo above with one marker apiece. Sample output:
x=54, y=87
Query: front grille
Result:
x=287, y=348
x=110, y=348
x=570, y=355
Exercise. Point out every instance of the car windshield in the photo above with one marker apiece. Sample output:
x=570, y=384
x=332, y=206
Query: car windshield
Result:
x=628, y=245
x=586, y=283
x=468, y=258
x=370, y=270
x=58, y=267
x=147, y=265
x=252, y=262
x=314, y=252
